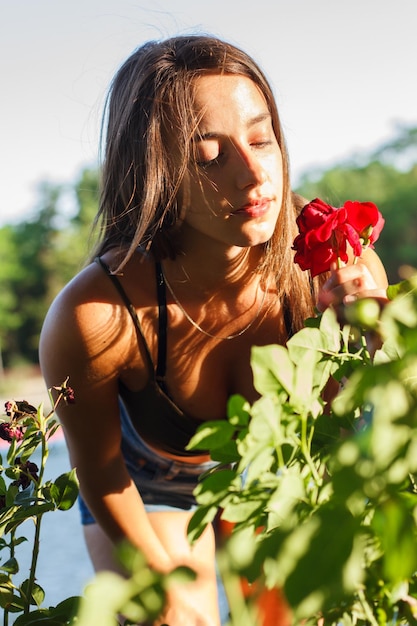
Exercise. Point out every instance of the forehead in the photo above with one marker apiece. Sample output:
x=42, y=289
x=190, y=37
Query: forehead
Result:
x=226, y=99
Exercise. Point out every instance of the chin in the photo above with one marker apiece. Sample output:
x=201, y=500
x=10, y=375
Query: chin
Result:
x=259, y=237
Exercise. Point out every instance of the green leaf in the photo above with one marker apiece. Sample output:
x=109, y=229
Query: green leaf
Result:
x=23, y=513
x=11, y=566
x=44, y=617
x=261, y=465
x=265, y=425
x=330, y=328
x=242, y=510
x=303, y=394
x=238, y=410
x=211, y=435
x=28, y=446
x=203, y=515
x=104, y=598
x=401, y=288
x=64, y=491
x=225, y=454
x=272, y=369
x=6, y=593
x=214, y=487
x=290, y=491
x=326, y=546
x=395, y=527
x=38, y=594
x=240, y=548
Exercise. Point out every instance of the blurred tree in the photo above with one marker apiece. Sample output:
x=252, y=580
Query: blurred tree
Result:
x=33, y=242
x=76, y=239
x=10, y=274
x=38, y=257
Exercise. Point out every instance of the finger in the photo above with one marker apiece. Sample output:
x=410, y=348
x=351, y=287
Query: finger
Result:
x=375, y=294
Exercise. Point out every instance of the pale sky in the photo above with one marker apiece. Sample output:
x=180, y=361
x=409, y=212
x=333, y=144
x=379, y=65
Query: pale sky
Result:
x=343, y=74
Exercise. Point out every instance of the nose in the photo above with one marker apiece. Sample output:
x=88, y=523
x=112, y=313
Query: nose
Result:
x=249, y=170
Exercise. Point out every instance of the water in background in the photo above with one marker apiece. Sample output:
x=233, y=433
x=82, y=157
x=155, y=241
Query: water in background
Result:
x=63, y=567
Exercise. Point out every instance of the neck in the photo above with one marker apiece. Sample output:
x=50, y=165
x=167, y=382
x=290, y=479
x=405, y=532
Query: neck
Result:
x=210, y=272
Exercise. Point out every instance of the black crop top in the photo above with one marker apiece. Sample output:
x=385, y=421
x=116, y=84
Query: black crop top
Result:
x=155, y=416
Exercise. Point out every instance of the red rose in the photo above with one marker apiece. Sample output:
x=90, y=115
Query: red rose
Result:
x=325, y=232
x=366, y=220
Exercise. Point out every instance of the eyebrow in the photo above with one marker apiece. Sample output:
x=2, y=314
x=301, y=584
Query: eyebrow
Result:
x=215, y=135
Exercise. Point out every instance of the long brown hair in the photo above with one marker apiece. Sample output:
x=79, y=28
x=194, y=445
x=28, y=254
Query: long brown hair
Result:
x=150, y=102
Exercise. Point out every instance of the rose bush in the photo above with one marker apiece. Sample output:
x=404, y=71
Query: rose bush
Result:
x=25, y=497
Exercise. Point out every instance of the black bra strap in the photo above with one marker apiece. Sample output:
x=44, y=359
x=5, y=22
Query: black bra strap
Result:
x=288, y=319
x=130, y=308
x=162, y=325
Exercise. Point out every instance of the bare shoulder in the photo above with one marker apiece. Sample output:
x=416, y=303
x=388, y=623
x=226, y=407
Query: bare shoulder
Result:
x=85, y=302
x=87, y=332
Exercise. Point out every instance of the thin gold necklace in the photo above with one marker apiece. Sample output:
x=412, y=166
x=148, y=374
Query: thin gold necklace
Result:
x=205, y=332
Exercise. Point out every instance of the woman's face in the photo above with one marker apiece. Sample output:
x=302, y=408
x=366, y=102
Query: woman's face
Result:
x=232, y=194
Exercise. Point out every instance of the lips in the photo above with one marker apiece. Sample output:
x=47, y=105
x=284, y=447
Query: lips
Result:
x=256, y=208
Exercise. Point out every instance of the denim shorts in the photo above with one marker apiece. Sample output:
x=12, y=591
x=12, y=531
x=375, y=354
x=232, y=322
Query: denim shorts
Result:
x=164, y=484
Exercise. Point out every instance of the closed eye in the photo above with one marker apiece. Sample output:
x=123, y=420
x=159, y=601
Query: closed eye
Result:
x=205, y=164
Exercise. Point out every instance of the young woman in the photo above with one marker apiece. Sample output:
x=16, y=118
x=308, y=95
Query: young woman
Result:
x=193, y=268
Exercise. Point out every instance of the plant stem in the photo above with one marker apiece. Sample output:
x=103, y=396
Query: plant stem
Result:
x=364, y=345
x=38, y=518
x=35, y=554
x=305, y=449
x=368, y=611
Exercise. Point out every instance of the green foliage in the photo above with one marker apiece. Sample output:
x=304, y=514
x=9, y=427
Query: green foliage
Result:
x=322, y=494
x=139, y=597
x=25, y=497
x=330, y=519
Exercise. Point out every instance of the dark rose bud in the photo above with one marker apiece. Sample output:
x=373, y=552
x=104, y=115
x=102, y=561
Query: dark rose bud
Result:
x=10, y=408
x=67, y=392
x=18, y=409
x=69, y=395
x=10, y=431
x=27, y=471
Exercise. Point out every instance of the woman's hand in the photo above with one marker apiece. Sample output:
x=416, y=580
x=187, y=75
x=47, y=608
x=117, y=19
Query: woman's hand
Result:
x=365, y=278
x=347, y=284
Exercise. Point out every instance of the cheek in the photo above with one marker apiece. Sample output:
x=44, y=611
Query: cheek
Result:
x=275, y=169
x=200, y=193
